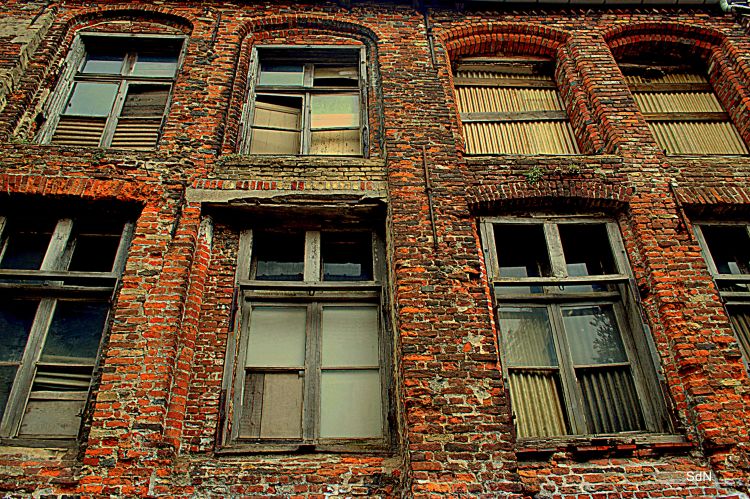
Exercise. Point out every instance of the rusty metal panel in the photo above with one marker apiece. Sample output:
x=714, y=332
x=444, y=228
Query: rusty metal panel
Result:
x=528, y=137
x=498, y=99
x=698, y=138
x=610, y=399
x=677, y=102
x=536, y=401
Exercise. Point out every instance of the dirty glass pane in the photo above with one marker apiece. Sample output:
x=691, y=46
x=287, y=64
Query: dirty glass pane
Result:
x=587, y=250
x=729, y=247
x=336, y=143
x=350, y=336
x=16, y=317
x=145, y=100
x=527, y=337
x=593, y=335
x=347, y=256
x=75, y=332
x=155, y=65
x=105, y=63
x=94, y=253
x=276, y=336
x=279, y=74
x=91, y=99
x=335, y=110
x=26, y=245
x=350, y=404
x=7, y=375
x=338, y=76
x=279, y=256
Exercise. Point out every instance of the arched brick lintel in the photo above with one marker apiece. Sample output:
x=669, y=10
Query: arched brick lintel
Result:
x=149, y=13
x=487, y=199
x=324, y=24
x=695, y=38
x=83, y=188
x=513, y=38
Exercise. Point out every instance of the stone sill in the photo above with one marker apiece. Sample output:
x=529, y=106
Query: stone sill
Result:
x=254, y=161
x=545, y=159
x=585, y=447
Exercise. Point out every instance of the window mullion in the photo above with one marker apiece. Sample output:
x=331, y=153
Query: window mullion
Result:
x=571, y=390
x=59, y=251
x=306, y=124
x=311, y=404
x=312, y=256
x=554, y=246
x=239, y=384
x=24, y=379
x=489, y=249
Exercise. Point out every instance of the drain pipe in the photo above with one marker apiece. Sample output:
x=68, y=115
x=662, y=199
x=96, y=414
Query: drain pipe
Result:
x=428, y=32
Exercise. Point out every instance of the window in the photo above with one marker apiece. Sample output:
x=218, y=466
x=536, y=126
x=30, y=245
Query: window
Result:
x=114, y=93
x=57, y=277
x=511, y=105
x=726, y=247
x=307, y=101
x=682, y=110
x=310, y=353
x=575, y=354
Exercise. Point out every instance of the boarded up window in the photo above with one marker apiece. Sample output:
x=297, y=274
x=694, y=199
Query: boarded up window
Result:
x=119, y=93
x=51, y=343
x=307, y=102
x=568, y=346
x=682, y=110
x=512, y=106
x=726, y=248
x=311, y=362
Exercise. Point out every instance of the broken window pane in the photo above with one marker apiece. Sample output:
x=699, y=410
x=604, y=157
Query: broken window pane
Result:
x=273, y=405
x=347, y=256
x=740, y=318
x=527, y=336
x=729, y=247
x=276, y=336
x=339, y=76
x=155, y=65
x=281, y=75
x=587, y=249
x=75, y=332
x=350, y=336
x=91, y=99
x=279, y=256
x=94, y=253
x=522, y=250
x=26, y=245
x=593, y=335
x=350, y=405
x=145, y=100
x=7, y=376
x=16, y=317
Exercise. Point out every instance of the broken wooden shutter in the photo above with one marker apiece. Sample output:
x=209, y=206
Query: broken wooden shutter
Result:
x=511, y=108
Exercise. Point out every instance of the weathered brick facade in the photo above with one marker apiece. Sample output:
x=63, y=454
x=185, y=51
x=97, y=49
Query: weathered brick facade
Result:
x=156, y=405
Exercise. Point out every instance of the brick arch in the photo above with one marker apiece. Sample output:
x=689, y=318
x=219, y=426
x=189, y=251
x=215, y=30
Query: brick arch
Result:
x=82, y=188
x=71, y=23
x=514, y=38
x=320, y=23
x=630, y=38
x=579, y=194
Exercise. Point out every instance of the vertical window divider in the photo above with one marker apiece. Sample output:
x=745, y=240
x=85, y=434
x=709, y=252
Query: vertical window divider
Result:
x=311, y=402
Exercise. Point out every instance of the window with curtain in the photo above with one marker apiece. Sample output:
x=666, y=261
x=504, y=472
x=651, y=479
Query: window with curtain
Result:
x=574, y=351
x=511, y=105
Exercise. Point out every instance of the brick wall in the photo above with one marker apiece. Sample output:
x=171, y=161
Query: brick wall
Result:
x=155, y=415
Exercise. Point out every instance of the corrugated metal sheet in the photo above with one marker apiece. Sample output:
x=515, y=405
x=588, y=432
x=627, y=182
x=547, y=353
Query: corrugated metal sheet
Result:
x=668, y=78
x=677, y=102
x=698, y=138
x=513, y=137
x=79, y=131
x=536, y=402
x=527, y=137
x=610, y=400
x=136, y=133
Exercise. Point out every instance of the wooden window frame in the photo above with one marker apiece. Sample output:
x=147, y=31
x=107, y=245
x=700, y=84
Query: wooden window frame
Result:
x=50, y=284
x=730, y=299
x=303, y=54
x=72, y=74
x=519, y=65
x=636, y=338
x=313, y=293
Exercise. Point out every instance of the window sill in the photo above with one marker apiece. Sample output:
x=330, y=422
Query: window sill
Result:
x=529, y=449
x=376, y=447
x=261, y=160
x=46, y=443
